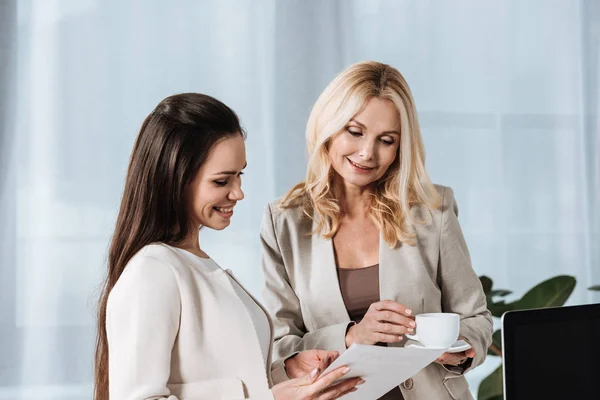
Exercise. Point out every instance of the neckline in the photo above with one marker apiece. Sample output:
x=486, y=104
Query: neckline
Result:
x=207, y=264
x=357, y=269
x=191, y=254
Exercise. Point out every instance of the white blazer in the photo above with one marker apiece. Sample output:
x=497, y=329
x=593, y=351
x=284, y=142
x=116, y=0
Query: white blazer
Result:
x=177, y=330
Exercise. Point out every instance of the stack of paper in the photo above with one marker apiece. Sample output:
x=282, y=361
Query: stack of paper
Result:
x=382, y=368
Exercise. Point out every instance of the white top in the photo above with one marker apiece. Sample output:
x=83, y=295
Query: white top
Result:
x=179, y=327
x=259, y=319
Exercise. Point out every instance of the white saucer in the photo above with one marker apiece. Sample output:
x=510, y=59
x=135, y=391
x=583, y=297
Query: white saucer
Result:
x=457, y=347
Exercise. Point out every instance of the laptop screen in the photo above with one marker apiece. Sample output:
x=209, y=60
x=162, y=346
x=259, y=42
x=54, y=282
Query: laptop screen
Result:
x=552, y=353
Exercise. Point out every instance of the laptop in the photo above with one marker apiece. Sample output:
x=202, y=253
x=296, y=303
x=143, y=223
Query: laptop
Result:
x=552, y=353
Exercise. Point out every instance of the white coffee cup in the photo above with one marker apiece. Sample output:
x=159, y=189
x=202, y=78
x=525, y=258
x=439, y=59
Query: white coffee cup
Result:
x=436, y=330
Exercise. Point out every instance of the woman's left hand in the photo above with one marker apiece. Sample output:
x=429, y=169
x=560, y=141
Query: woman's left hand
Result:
x=456, y=358
x=306, y=361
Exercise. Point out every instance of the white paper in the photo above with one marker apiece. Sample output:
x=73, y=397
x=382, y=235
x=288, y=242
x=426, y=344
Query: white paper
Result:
x=382, y=368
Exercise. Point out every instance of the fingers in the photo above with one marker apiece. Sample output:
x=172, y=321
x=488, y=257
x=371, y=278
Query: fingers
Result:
x=392, y=318
x=452, y=358
x=330, y=356
x=341, y=389
x=392, y=306
x=389, y=329
x=395, y=318
x=392, y=329
x=325, y=359
x=470, y=353
x=386, y=321
x=447, y=358
x=378, y=337
x=328, y=379
x=309, y=378
x=323, y=364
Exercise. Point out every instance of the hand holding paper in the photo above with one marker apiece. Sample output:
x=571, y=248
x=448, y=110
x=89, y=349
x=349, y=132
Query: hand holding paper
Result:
x=382, y=368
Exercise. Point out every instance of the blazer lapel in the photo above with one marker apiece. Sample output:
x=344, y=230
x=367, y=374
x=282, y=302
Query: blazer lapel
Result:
x=400, y=272
x=324, y=280
x=271, y=329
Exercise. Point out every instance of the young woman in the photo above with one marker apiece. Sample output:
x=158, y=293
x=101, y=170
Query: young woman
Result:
x=172, y=324
x=351, y=254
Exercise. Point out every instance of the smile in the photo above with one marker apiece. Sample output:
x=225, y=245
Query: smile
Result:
x=361, y=167
x=224, y=212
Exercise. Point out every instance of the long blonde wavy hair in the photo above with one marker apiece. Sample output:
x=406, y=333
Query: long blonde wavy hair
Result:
x=403, y=186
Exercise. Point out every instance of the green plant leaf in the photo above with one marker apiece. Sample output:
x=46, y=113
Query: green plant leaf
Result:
x=595, y=287
x=487, y=283
x=549, y=293
x=499, y=293
x=496, y=341
x=500, y=307
x=491, y=386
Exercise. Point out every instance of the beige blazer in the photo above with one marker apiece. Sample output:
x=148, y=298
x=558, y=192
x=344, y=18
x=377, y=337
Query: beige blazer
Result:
x=303, y=296
x=177, y=330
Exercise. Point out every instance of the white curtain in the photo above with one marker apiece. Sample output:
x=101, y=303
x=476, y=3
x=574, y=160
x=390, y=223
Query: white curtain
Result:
x=507, y=93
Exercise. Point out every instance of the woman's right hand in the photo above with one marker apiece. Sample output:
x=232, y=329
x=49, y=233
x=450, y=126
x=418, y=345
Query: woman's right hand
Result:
x=385, y=321
x=315, y=387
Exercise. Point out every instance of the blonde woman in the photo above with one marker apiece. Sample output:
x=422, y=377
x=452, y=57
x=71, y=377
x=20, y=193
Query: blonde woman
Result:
x=366, y=242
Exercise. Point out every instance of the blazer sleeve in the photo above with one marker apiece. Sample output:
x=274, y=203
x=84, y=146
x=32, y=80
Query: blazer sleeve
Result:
x=291, y=335
x=142, y=322
x=461, y=289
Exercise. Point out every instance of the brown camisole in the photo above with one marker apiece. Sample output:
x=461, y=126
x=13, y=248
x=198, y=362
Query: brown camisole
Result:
x=360, y=288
